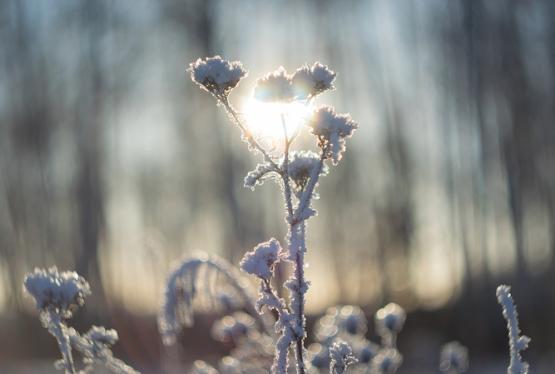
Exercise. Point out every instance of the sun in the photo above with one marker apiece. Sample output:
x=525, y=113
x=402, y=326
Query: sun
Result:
x=264, y=120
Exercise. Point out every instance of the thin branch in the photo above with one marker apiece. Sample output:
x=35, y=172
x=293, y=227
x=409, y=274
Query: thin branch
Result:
x=246, y=133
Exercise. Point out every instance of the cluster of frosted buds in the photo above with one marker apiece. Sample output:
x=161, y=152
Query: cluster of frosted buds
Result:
x=387, y=361
x=310, y=81
x=261, y=260
x=304, y=84
x=341, y=356
x=332, y=129
x=453, y=358
x=389, y=322
x=300, y=167
x=61, y=293
x=216, y=75
x=232, y=328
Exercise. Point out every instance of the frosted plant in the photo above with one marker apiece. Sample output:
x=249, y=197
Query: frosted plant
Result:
x=297, y=172
x=194, y=284
x=58, y=295
x=453, y=358
x=341, y=356
x=517, y=342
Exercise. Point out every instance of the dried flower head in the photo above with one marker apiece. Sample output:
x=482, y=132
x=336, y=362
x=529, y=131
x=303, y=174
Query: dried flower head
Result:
x=311, y=81
x=453, y=358
x=61, y=292
x=275, y=87
x=216, y=75
x=261, y=260
x=332, y=129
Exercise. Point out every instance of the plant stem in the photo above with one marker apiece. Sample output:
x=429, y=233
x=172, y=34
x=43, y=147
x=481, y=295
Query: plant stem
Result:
x=246, y=133
x=56, y=327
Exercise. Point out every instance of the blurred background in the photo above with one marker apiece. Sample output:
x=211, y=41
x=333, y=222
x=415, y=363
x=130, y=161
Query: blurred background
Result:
x=114, y=164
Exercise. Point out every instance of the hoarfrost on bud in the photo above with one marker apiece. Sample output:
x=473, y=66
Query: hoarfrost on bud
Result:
x=216, y=75
x=517, y=342
x=62, y=292
x=453, y=358
x=274, y=87
x=387, y=361
x=341, y=356
x=261, y=260
x=331, y=129
x=102, y=335
x=311, y=81
x=300, y=167
x=390, y=319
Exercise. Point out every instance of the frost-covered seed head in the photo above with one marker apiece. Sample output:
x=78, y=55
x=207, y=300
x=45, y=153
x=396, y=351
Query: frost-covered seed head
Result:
x=300, y=167
x=311, y=81
x=341, y=356
x=99, y=334
x=453, y=358
x=232, y=328
x=363, y=349
x=261, y=260
x=62, y=292
x=387, y=361
x=332, y=129
x=216, y=75
x=390, y=319
x=274, y=87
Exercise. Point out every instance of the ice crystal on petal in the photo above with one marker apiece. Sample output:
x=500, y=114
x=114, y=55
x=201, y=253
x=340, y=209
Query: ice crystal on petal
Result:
x=62, y=291
x=517, y=342
x=216, y=75
x=274, y=87
x=341, y=356
x=453, y=358
x=387, y=361
x=311, y=81
x=261, y=260
x=331, y=129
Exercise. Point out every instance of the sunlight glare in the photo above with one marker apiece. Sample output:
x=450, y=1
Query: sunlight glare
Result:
x=265, y=123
